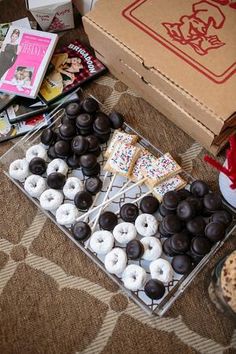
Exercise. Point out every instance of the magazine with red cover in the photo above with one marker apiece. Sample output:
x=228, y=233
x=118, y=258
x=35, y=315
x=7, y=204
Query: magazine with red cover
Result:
x=24, y=58
x=70, y=67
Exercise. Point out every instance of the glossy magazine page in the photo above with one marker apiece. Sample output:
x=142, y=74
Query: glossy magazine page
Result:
x=70, y=67
x=24, y=57
x=5, y=98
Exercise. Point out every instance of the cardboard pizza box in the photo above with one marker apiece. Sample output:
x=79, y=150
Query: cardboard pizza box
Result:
x=187, y=52
x=170, y=109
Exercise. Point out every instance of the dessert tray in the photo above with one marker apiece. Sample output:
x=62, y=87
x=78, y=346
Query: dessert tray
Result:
x=126, y=192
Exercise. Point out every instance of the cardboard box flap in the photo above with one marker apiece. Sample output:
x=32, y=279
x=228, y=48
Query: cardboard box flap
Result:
x=170, y=109
x=102, y=40
x=193, y=45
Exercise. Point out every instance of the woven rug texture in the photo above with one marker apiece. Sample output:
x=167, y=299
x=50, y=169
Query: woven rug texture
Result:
x=54, y=300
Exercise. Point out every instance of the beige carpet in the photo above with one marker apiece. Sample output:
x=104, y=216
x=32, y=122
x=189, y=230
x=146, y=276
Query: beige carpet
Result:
x=55, y=300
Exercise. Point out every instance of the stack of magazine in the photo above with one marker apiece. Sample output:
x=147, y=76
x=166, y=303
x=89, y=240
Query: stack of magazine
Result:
x=35, y=77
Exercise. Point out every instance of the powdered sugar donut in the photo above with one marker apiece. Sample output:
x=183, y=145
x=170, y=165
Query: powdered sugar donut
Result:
x=124, y=232
x=35, y=185
x=51, y=199
x=67, y=214
x=134, y=277
x=162, y=270
x=102, y=242
x=72, y=186
x=115, y=261
x=19, y=169
x=146, y=225
x=36, y=151
x=152, y=248
x=57, y=165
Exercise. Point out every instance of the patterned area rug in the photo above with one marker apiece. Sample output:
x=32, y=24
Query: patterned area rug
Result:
x=53, y=299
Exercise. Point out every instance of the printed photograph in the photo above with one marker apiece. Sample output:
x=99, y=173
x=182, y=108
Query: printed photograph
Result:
x=22, y=77
x=9, y=52
x=3, y=32
x=62, y=72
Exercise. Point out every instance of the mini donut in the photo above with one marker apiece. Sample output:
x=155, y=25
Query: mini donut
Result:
x=134, y=277
x=36, y=151
x=67, y=214
x=57, y=165
x=102, y=242
x=146, y=225
x=124, y=232
x=72, y=186
x=115, y=261
x=162, y=270
x=35, y=185
x=19, y=169
x=152, y=248
x=51, y=199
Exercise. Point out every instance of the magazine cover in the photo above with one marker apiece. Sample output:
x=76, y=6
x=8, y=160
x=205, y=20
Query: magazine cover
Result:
x=4, y=27
x=70, y=67
x=24, y=57
x=5, y=98
x=10, y=131
x=23, y=108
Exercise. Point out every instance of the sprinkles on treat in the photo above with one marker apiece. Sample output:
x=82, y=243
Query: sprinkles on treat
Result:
x=143, y=163
x=120, y=137
x=122, y=159
x=171, y=184
x=162, y=168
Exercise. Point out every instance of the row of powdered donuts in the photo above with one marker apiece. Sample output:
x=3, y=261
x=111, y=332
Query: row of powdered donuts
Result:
x=56, y=180
x=66, y=214
x=149, y=248
x=180, y=243
x=133, y=276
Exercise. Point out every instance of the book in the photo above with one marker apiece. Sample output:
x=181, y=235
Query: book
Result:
x=70, y=67
x=23, y=108
x=10, y=131
x=24, y=58
x=5, y=98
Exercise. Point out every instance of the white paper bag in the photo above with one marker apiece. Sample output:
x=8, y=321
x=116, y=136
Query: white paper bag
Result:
x=52, y=15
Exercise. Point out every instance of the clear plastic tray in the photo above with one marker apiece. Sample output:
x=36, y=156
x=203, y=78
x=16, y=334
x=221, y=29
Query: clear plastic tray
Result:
x=179, y=282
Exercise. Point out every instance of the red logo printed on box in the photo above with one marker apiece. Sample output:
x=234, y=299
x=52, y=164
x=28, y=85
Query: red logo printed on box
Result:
x=231, y=3
x=194, y=29
x=192, y=36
